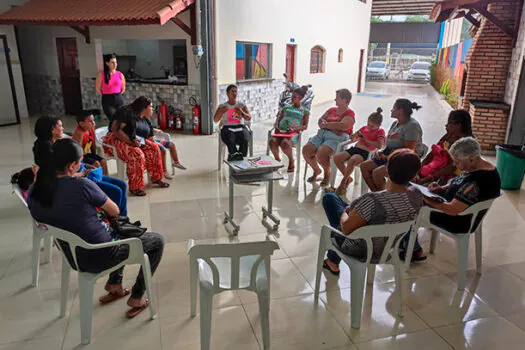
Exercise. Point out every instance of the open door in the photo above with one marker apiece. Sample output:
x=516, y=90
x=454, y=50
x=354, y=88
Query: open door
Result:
x=290, y=62
x=8, y=101
x=69, y=74
x=360, y=75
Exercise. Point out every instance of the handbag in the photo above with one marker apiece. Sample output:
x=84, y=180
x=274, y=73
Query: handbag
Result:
x=125, y=228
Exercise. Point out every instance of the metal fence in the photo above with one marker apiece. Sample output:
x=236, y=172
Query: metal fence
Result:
x=404, y=61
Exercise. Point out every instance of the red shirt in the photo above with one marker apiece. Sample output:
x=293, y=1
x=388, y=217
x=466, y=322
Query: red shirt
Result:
x=87, y=140
x=371, y=136
x=333, y=117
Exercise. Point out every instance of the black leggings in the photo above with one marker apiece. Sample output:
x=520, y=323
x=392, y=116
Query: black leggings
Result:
x=153, y=245
x=110, y=104
x=232, y=139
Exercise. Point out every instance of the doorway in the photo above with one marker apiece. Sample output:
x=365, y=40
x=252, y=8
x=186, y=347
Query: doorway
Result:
x=8, y=101
x=290, y=62
x=69, y=74
x=360, y=75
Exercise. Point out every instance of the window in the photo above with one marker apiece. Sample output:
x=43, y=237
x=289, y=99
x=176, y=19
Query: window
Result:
x=340, y=56
x=317, y=58
x=252, y=61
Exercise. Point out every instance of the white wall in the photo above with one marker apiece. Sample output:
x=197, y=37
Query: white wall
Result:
x=452, y=34
x=332, y=24
x=8, y=31
x=38, y=46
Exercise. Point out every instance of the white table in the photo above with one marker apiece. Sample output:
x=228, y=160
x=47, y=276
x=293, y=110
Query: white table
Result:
x=249, y=171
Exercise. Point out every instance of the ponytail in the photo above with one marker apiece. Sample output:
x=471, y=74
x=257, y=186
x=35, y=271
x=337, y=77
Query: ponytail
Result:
x=63, y=152
x=407, y=106
x=107, y=58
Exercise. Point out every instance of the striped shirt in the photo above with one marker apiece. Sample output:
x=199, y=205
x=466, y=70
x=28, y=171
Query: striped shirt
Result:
x=378, y=208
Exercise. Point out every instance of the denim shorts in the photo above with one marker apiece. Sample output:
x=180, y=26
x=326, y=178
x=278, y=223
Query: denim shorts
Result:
x=328, y=138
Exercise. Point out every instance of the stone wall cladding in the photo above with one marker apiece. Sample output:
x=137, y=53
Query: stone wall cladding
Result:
x=44, y=95
x=261, y=97
x=176, y=95
x=515, y=62
x=488, y=62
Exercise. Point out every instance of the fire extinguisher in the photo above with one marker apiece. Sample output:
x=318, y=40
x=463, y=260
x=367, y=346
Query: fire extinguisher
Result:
x=195, y=115
x=179, y=121
x=163, y=114
x=171, y=118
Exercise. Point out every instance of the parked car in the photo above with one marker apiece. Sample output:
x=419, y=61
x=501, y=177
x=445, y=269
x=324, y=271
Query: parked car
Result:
x=378, y=70
x=419, y=71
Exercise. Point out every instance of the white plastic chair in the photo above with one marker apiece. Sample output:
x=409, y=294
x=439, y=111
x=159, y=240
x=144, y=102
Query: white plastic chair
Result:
x=40, y=233
x=100, y=133
x=234, y=266
x=297, y=147
x=222, y=145
x=358, y=269
x=477, y=213
x=86, y=281
x=161, y=135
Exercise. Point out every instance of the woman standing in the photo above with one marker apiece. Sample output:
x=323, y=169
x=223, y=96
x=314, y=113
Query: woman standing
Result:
x=405, y=132
x=232, y=117
x=138, y=153
x=110, y=84
x=335, y=126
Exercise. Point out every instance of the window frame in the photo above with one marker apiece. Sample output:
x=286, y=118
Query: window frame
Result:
x=270, y=60
x=318, y=49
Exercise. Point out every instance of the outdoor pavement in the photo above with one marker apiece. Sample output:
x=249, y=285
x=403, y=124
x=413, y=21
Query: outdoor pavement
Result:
x=490, y=314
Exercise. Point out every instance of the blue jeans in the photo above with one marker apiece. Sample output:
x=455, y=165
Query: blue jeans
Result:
x=334, y=207
x=116, y=189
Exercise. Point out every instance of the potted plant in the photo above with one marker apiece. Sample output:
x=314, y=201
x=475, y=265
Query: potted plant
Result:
x=445, y=88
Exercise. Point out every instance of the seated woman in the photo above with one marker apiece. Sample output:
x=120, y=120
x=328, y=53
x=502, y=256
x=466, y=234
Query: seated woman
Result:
x=138, y=153
x=335, y=126
x=437, y=165
x=397, y=203
x=479, y=182
x=232, y=116
x=405, y=132
x=47, y=131
x=292, y=120
x=146, y=130
x=72, y=203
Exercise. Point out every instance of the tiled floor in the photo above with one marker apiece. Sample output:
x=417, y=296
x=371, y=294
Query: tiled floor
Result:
x=490, y=314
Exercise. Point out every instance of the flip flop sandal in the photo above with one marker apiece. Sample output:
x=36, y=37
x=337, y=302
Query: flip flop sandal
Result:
x=312, y=178
x=135, y=310
x=340, y=191
x=110, y=297
x=162, y=184
x=326, y=266
x=138, y=193
x=330, y=190
x=325, y=183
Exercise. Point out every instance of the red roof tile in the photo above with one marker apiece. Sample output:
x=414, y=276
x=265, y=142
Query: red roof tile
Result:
x=94, y=12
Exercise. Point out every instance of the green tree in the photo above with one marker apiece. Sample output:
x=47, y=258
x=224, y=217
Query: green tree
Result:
x=376, y=19
x=418, y=18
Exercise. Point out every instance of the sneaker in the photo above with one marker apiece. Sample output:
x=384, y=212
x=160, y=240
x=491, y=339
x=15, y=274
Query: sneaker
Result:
x=179, y=166
x=168, y=176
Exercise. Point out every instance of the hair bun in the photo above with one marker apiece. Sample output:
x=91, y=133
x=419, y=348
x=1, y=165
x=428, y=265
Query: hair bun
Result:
x=379, y=110
x=415, y=106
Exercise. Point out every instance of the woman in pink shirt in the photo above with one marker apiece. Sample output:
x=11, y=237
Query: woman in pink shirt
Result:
x=111, y=84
